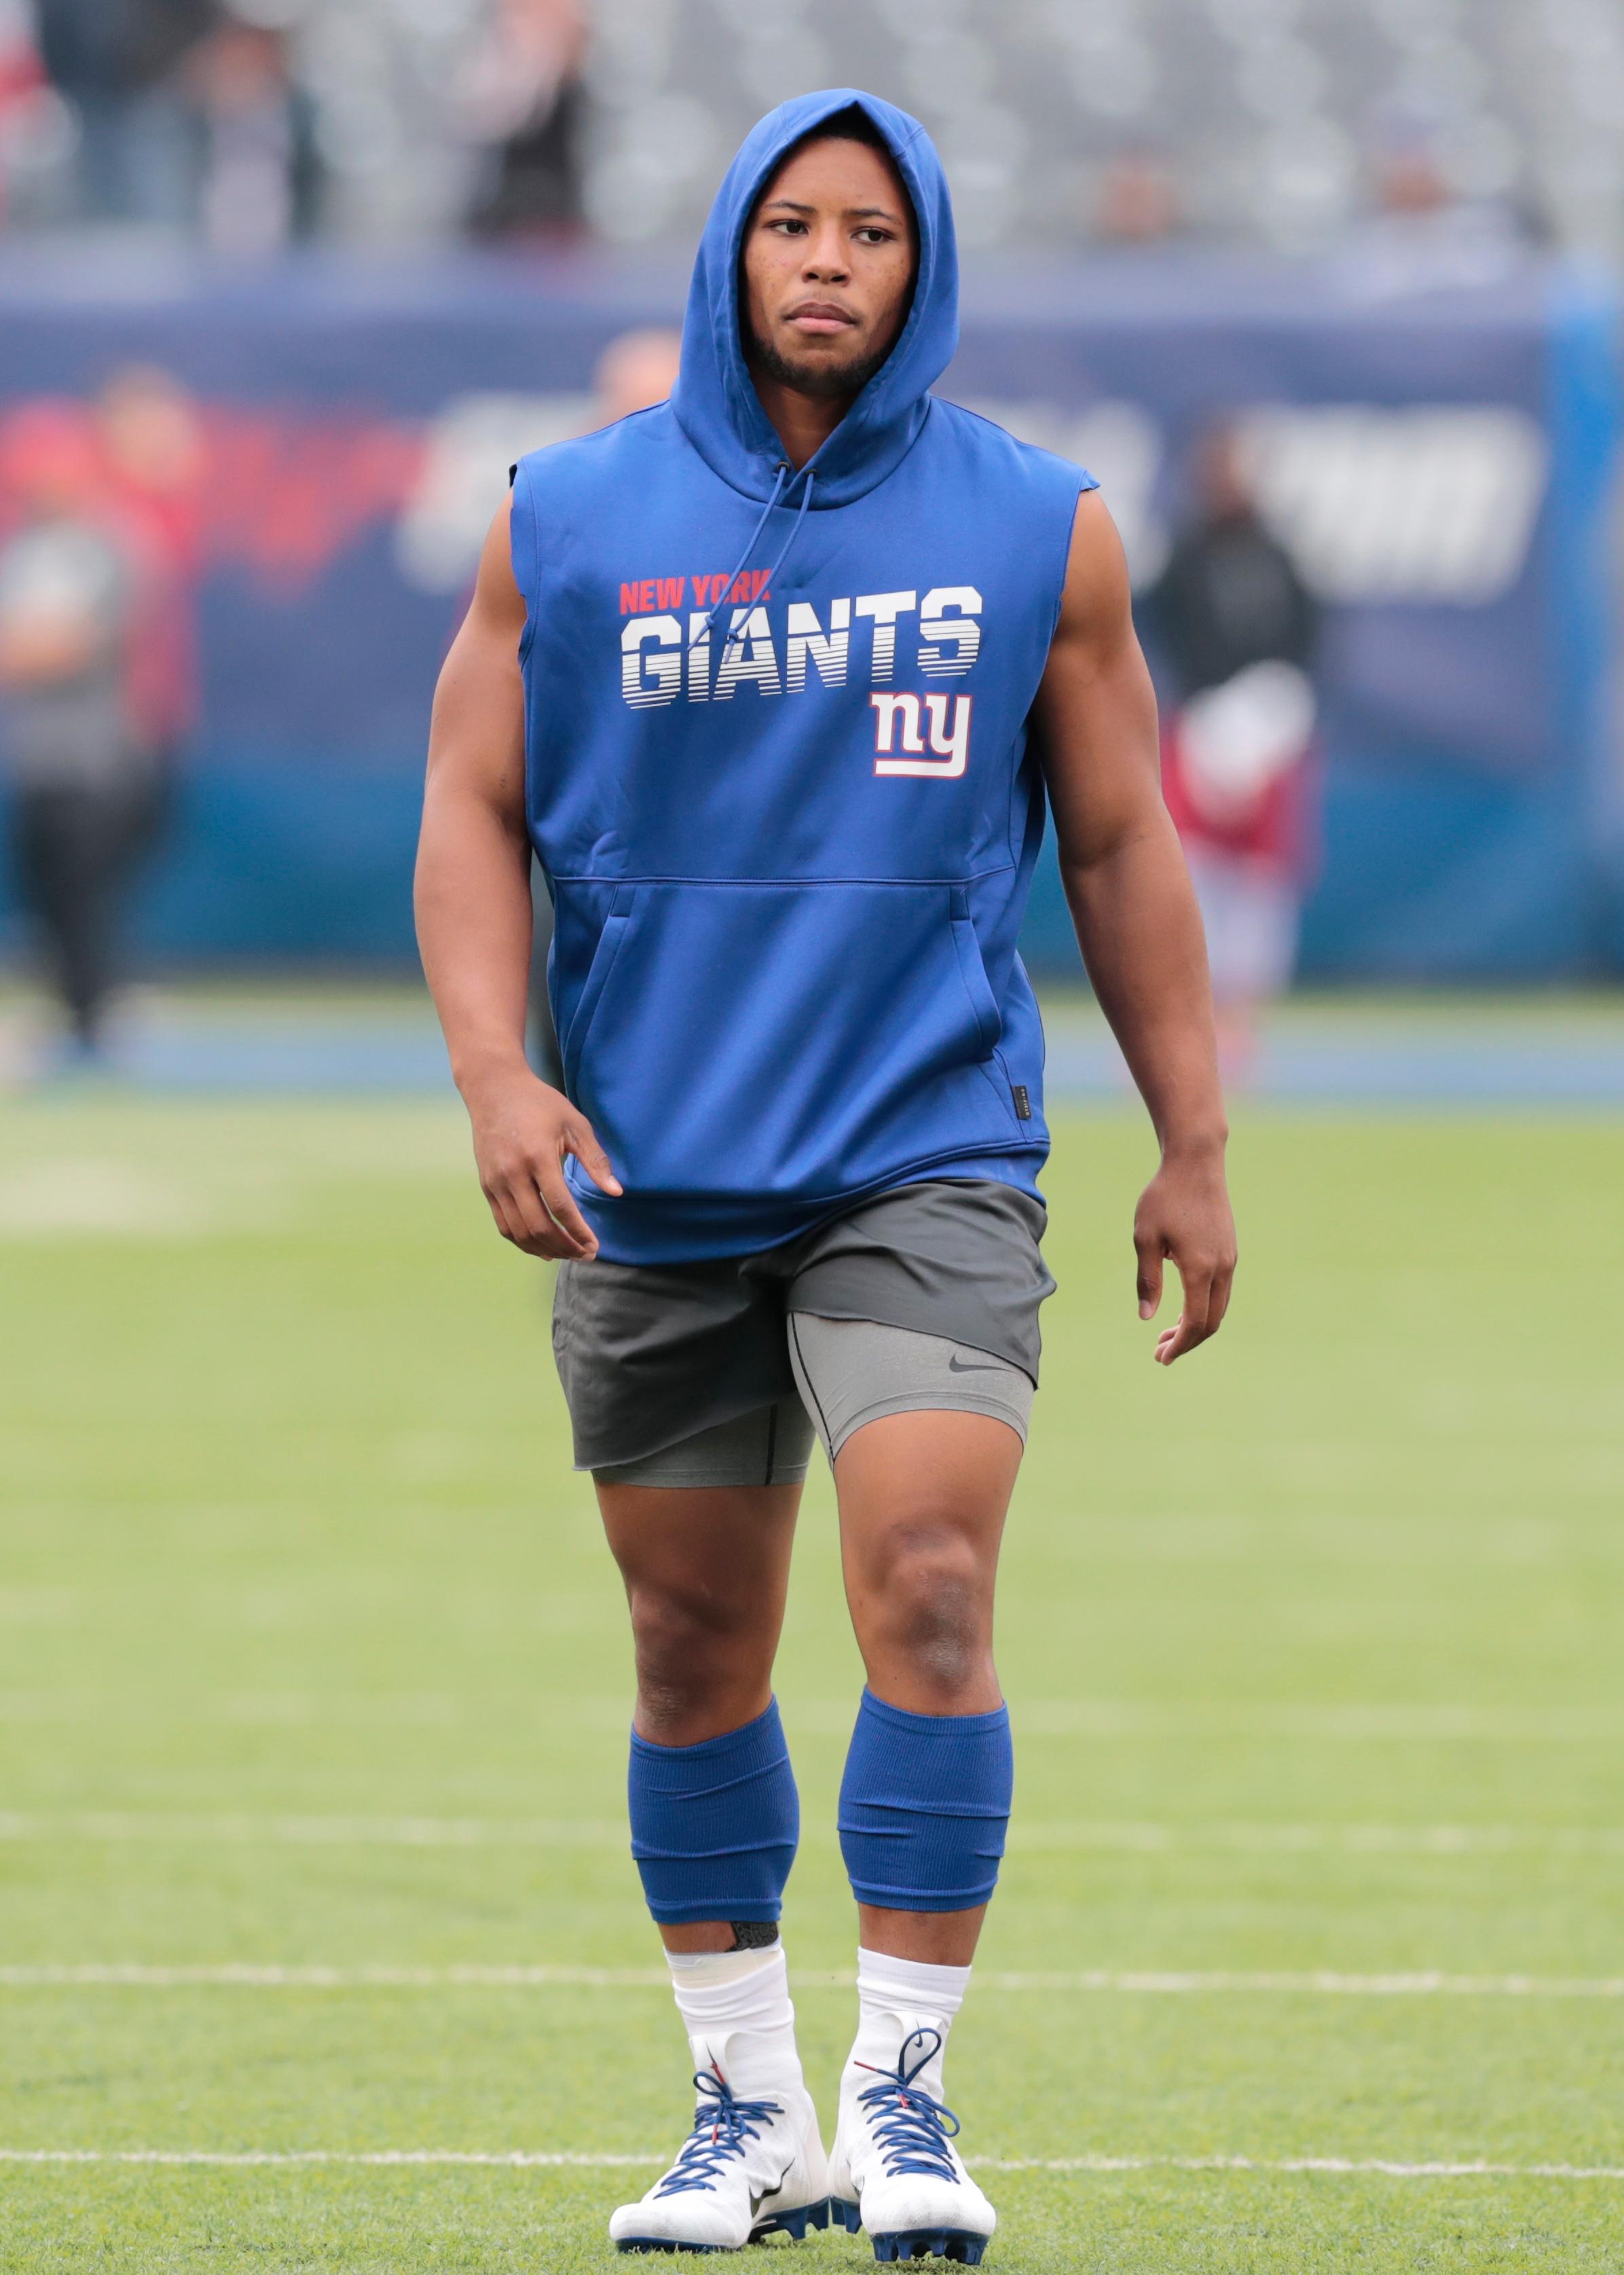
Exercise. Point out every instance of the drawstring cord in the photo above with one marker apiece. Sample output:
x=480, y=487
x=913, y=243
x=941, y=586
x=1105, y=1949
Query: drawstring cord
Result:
x=806, y=496
x=701, y=626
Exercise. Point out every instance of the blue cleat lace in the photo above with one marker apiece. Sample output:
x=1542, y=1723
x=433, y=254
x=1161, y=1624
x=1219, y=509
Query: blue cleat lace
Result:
x=721, y=2126
x=912, y=2129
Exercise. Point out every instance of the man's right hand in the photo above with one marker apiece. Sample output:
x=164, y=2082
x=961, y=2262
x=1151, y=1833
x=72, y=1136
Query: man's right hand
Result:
x=522, y=1134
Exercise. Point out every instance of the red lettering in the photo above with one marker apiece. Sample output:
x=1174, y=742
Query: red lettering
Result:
x=671, y=592
x=645, y=595
x=627, y=600
x=738, y=591
x=758, y=582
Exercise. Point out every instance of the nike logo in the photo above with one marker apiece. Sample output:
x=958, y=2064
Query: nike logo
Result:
x=957, y=1365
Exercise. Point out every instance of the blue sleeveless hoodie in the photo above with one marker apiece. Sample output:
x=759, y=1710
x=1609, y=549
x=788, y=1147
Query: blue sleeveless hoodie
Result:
x=778, y=771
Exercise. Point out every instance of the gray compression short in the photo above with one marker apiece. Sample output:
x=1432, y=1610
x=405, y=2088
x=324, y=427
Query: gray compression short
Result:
x=847, y=1372
x=655, y=1356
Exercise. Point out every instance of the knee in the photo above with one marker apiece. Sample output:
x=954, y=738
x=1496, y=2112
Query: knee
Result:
x=930, y=1604
x=694, y=1652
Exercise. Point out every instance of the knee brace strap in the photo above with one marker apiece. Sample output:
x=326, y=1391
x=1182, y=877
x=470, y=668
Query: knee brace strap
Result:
x=715, y=1827
x=924, y=1806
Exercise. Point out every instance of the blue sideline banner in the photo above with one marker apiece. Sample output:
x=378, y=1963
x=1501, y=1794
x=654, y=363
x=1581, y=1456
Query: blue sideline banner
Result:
x=1441, y=465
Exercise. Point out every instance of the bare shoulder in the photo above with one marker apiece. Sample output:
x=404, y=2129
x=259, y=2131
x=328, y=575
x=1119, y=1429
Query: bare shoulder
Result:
x=1097, y=604
x=498, y=604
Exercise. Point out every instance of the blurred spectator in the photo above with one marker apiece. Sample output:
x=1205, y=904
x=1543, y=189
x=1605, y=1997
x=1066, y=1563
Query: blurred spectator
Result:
x=521, y=99
x=261, y=174
x=24, y=95
x=120, y=64
x=1421, y=231
x=1137, y=201
x=82, y=773
x=636, y=371
x=1238, y=629
x=153, y=463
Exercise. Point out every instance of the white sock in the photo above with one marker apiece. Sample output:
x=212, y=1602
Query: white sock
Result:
x=896, y=1997
x=736, y=2010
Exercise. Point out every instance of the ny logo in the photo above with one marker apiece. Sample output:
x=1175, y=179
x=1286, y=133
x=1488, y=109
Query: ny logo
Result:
x=951, y=746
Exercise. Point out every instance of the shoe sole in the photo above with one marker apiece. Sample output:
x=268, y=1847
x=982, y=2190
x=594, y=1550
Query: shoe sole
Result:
x=960, y=2243
x=792, y=2224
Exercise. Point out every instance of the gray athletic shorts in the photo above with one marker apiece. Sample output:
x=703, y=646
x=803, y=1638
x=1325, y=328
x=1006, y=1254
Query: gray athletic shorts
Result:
x=716, y=1372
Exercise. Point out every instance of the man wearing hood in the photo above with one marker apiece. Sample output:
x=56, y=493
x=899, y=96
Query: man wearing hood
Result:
x=774, y=679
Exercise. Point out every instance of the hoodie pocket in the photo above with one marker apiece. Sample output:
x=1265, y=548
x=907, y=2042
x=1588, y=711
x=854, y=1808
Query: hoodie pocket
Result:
x=786, y=1038
x=967, y=947
x=610, y=940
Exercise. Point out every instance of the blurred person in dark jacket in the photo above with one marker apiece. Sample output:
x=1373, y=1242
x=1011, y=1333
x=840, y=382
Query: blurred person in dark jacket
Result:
x=522, y=99
x=1238, y=629
x=121, y=65
x=81, y=774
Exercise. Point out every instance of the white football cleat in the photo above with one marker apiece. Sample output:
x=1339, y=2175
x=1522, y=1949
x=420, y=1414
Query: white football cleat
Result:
x=749, y=2169
x=895, y=2170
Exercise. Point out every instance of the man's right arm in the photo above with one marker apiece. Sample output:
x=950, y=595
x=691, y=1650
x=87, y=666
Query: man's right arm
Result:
x=474, y=924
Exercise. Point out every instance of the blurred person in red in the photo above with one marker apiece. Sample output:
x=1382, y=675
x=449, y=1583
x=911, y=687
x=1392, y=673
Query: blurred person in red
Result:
x=1238, y=629
x=78, y=760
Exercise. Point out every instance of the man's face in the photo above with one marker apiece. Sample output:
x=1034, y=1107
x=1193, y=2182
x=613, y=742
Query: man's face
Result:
x=828, y=268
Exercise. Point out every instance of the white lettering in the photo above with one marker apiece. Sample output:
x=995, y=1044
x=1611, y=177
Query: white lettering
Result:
x=962, y=629
x=885, y=607
x=1431, y=503
x=463, y=473
x=699, y=657
x=664, y=670
x=887, y=708
x=829, y=654
x=749, y=654
x=950, y=745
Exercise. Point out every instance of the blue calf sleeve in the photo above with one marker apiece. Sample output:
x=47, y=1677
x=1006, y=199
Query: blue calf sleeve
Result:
x=715, y=1827
x=924, y=1806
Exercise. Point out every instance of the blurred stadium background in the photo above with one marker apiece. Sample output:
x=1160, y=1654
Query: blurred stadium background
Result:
x=312, y=1665
x=308, y=274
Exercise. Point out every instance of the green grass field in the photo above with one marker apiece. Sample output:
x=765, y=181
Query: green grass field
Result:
x=312, y=1660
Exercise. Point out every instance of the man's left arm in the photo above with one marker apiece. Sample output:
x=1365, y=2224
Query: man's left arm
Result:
x=1138, y=923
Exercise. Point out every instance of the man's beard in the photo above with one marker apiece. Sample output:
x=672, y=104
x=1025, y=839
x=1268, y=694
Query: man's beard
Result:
x=821, y=380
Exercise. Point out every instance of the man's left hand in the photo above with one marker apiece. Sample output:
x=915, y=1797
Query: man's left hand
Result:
x=1184, y=1216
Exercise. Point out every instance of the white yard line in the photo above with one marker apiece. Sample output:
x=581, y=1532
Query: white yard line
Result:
x=1323, y=1982
x=238, y=1827
x=1392, y=2168
x=1437, y=2170
x=246, y=1976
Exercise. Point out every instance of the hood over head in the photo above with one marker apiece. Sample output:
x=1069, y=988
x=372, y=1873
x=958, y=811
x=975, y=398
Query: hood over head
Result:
x=715, y=399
